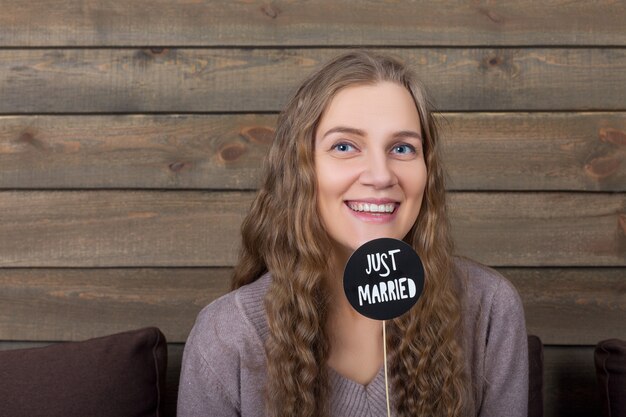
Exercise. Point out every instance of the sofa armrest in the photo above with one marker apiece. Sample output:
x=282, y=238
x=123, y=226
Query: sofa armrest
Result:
x=111, y=376
x=610, y=361
x=535, y=377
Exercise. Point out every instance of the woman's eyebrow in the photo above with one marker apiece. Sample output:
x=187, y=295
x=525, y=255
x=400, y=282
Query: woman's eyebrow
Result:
x=359, y=132
x=408, y=134
x=345, y=129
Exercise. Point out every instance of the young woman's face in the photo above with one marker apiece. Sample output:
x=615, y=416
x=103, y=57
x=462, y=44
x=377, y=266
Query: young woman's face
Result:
x=369, y=163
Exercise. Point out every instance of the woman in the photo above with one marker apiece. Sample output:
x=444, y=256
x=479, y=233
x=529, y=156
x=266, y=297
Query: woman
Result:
x=355, y=157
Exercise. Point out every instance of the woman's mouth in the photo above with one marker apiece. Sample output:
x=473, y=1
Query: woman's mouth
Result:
x=363, y=207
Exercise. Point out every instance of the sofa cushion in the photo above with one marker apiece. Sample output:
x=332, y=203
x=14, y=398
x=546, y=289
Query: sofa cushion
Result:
x=121, y=375
x=610, y=360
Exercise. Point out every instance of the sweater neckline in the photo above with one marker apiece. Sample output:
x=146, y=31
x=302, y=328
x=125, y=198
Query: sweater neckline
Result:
x=350, y=399
x=338, y=378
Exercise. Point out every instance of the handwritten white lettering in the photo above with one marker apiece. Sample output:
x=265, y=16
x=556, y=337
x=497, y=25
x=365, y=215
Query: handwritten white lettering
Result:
x=397, y=289
x=377, y=261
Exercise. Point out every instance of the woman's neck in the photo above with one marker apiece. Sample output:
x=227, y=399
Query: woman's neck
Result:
x=356, y=345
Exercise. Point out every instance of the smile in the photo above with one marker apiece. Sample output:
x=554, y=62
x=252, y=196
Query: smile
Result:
x=371, y=207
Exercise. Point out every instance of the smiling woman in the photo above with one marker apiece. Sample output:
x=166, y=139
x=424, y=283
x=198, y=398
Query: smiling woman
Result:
x=370, y=166
x=355, y=157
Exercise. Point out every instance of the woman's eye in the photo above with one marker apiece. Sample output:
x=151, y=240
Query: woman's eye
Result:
x=403, y=149
x=343, y=147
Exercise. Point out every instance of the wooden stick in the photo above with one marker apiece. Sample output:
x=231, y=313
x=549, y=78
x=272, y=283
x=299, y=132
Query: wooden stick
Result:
x=385, y=359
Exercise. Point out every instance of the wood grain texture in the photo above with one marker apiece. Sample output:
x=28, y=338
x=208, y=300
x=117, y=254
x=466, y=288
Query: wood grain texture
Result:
x=117, y=228
x=77, y=304
x=572, y=306
x=250, y=80
x=535, y=151
x=320, y=23
x=134, y=151
x=563, y=306
x=194, y=228
x=483, y=151
x=545, y=229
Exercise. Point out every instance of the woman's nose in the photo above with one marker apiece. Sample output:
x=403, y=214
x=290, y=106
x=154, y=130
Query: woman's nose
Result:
x=377, y=171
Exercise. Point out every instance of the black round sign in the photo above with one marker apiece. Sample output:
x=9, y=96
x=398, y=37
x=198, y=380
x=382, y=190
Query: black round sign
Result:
x=383, y=278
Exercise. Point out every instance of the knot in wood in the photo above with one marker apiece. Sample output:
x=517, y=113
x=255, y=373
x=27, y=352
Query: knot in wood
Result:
x=29, y=138
x=270, y=11
x=614, y=136
x=602, y=167
x=232, y=151
x=500, y=61
x=621, y=220
x=258, y=134
x=491, y=15
x=494, y=61
x=26, y=137
x=176, y=166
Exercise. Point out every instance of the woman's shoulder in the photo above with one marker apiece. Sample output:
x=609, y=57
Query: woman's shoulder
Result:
x=494, y=333
x=236, y=313
x=484, y=286
x=223, y=345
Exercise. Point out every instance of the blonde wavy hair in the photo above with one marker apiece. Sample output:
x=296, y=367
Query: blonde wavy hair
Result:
x=283, y=234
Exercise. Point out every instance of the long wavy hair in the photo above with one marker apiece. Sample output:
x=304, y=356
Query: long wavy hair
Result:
x=283, y=234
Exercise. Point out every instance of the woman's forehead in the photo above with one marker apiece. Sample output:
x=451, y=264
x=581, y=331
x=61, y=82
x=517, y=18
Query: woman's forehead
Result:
x=369, y=108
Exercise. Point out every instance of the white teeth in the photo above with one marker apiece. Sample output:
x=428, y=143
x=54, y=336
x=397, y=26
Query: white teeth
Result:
x=372, y=208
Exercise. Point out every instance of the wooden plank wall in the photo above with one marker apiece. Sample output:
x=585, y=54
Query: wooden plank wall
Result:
x=131, y=135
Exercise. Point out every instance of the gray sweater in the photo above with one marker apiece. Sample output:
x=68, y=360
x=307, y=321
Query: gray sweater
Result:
x=223, y=371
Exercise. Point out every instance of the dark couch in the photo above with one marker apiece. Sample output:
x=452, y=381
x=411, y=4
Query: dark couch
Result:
x=114, y=376
x=123, y=375
x=610, y=361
